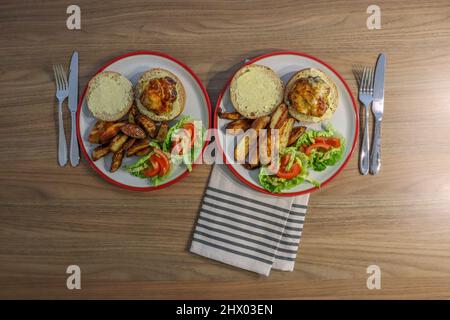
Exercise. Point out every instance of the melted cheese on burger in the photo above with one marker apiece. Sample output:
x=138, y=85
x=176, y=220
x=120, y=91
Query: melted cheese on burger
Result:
x=310, y=96
x=159, y=95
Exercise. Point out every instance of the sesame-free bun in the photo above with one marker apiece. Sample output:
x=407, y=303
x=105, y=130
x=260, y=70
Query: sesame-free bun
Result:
x=333, y=97
x=256, y=91
x=178, y=104
x=109, y=96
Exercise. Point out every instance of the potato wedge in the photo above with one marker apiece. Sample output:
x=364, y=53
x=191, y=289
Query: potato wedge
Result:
x=249, y=166
x=295, y=134
x=133, y=131
x=110, y=132
x=260, y=123
x=235, y=127
x=132, y=114
x=99, y=127
x=249, y=139
x=257, y=125
x=138, y=145
x=285, y=132
x=116, y=160
x=117, y=142
x=162, y=132
x=100, y=152
x=253, y=157
x=146, y=123
x=264, y=145
x=243, y=146
x=143, y=152
x=230, y=115
x=278, y=116
x=127, y=145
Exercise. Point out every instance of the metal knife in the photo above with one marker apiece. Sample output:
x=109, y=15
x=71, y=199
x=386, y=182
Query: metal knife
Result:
x=73, y=105
x=377, y=110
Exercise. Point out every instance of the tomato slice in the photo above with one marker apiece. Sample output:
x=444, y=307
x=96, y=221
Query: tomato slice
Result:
x=162, y=160
x=154, y=168
x=292, y=173
x=177, y=147
x=332, y=141
x=335, y=142
x=190, y=128
x=319, y=145
x=285, y=160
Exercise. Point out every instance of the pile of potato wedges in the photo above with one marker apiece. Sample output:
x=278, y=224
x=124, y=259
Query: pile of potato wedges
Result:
x=128, y=137
x=248, y=148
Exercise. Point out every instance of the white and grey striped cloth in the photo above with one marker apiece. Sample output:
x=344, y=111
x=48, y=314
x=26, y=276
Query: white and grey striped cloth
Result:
x=242, y=227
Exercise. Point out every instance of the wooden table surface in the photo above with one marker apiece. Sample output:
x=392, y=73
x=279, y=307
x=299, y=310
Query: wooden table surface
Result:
x=134, y=245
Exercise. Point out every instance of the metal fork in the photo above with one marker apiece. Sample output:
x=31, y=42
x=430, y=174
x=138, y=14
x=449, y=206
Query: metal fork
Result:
x=364, y=75
x=61, y=94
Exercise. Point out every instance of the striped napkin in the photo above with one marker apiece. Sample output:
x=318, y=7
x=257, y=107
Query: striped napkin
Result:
x=244, y=228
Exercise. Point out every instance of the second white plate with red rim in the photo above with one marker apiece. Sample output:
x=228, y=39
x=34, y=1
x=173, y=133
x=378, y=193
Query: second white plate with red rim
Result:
x=345, y=119
x=132, y=65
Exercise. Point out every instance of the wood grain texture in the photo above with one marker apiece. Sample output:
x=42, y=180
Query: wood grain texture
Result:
x=134, y=245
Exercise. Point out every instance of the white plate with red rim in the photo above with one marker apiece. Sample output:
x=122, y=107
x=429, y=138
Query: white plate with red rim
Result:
x=345, y=120
x=132, y=65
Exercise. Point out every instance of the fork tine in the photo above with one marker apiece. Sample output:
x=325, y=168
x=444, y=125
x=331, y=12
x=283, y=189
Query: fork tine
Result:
x=58, y=71
x=368, y=80
x=372, y=76
x=55, y=71
x=61, y=77
x=369, y=76
x=63, y=73
x=364, y=80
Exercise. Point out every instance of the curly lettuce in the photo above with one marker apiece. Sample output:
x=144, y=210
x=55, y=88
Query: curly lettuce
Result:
x=138, y=168
x=319, y=160
x=167, y=144
x=199, y=139
x=275, y=184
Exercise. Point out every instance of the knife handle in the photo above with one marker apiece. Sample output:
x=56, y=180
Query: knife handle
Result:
x=375, y=156
x=74, y=151
x=62, y=144
x=364, y=154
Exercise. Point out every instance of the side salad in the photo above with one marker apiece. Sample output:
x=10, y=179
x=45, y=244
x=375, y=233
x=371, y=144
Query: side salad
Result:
x=315, y=150
x=182, y=146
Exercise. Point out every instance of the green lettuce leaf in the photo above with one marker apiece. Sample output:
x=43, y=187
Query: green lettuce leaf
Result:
x=275, y=184
x=168, y=141
x=138, y=168
x=319, y=160
x=199, y=139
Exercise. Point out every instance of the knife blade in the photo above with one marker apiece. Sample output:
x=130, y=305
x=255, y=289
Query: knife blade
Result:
x=73, y=83
x=378, y=86
x=377, y=110
x=73, y=105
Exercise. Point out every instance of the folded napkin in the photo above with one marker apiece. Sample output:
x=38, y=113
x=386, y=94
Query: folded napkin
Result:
x=245, y=228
